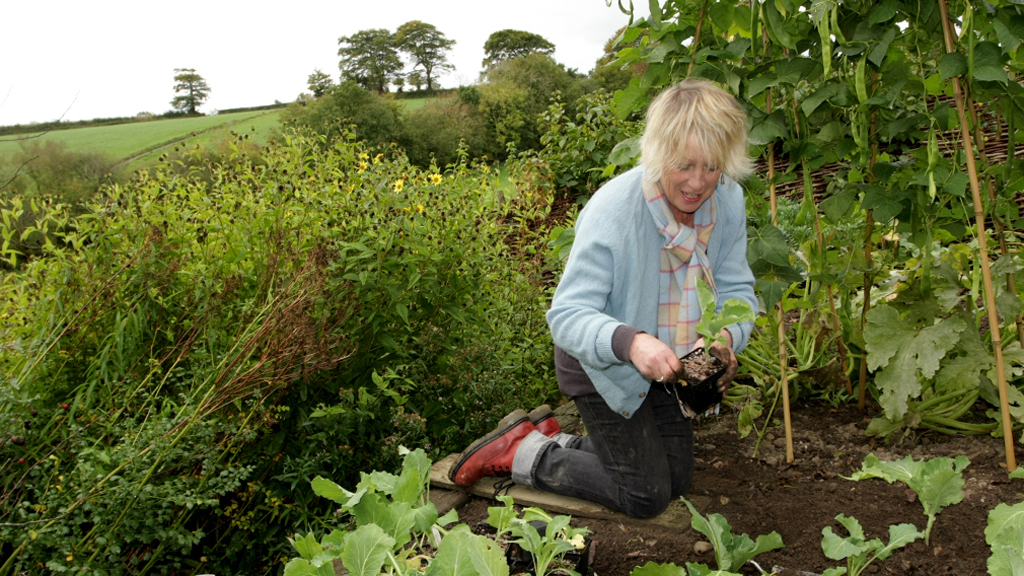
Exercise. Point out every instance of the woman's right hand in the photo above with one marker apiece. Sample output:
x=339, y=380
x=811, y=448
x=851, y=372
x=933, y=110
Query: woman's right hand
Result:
x=654, y=359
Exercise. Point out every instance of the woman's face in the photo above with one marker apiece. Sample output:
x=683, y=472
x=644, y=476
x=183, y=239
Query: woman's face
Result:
x=689, y=184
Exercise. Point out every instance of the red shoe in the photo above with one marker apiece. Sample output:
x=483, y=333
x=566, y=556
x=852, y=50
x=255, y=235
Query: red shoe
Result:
x=544, y=420
x=492, y=455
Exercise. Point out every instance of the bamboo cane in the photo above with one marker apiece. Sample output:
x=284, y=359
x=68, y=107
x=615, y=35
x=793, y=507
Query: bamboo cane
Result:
x=696, y=37
x=780, y=315
x=868, y=280
x=997, y=222
x=986, y=272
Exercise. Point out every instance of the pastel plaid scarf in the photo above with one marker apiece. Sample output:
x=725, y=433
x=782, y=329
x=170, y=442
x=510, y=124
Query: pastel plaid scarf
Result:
x=684, y=258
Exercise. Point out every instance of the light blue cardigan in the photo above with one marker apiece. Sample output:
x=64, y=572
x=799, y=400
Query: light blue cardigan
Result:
x=612, y=277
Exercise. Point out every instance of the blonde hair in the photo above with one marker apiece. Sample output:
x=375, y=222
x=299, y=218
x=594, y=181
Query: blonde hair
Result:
x=698, y=110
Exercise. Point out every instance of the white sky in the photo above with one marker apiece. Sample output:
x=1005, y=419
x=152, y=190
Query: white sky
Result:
x=118, y=56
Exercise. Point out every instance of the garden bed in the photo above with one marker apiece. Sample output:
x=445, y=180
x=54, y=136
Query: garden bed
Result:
x=762, y=494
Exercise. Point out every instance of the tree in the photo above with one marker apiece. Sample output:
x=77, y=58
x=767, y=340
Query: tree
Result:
x=319, y=83
x=415, y=78
x=515, y=92
x=191, y=88
x=427, y=47
x=610, y=77
x=370, y=59
x=376, y=119
x=508, y=44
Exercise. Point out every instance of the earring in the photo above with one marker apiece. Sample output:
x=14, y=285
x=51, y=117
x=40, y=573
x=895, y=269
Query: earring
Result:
x=721, y=181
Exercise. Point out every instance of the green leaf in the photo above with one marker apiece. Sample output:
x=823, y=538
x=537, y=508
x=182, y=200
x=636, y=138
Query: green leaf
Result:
x=811, y=103
x=776, y=26
x=366, y=549
x=1007, y=560
x=307, y=546
x=486, y=555
x=450, y=517
x=962, y=372
x=303, y=567
x=990, y=74
x=837, y=206
x=950, y=65
x=877, y=54
x=884, y=205
x=656, y=14
x=940, y=484
x=895, y=471
x=667, y=46
x=883, y=12
x=903, y=352
x=899, y=536
x=630, y=98
x=768, y=128
x=713, y=528
x=711, y=322
x=327, y=489
x=771, y=291
x=722, y=15
x=767, y=243
x=839, y=548
x=372, y=509
x=652, y=569
x=625, y=152
x=426, y=516
x=1007, y=39
x=883, y=427
x=731, y=551
x=409, y=487
x=1003, y=520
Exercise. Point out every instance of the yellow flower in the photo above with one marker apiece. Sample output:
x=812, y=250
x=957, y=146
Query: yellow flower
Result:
x=399, y=184
x=378, y=157
x=363, y=166
x=436, y=178
x=70, y=557
x=419, y=208
x=364, y=156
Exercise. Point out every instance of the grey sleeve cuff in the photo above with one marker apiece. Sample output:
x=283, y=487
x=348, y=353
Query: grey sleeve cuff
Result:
x=622, y=339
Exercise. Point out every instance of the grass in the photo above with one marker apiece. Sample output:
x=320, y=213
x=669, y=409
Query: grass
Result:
x=413, y=103
x=259, y=127
x=125, y=141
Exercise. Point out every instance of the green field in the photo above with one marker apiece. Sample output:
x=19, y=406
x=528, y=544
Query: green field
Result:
x=139, y=144
x=413, y=103
x=259, y=126
x=130, y=141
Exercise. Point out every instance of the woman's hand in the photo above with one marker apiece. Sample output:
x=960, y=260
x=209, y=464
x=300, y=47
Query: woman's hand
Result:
x=654, y=359
x=723, y=351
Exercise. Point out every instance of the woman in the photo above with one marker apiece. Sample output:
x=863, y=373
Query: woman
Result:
x=626, y=310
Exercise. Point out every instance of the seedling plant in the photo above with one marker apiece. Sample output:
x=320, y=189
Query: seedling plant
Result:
x=859, y=552
x=938, y=482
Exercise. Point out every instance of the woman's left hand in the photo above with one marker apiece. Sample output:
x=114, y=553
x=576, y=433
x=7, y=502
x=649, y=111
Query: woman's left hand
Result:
x=723, y=351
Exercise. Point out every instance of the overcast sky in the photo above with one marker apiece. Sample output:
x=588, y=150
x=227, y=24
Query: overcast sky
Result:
x=105, y=58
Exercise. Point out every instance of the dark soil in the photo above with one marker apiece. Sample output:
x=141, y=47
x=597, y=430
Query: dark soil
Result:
x=760, y=494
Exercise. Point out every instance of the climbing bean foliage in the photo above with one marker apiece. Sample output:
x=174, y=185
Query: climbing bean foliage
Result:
x=864, y=92
x=205, y=339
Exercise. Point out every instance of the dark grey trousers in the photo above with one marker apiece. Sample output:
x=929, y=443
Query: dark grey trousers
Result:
x=635, y=466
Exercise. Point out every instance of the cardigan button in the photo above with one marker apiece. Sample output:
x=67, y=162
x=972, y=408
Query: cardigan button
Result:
x=625, y=413
x=642, y=394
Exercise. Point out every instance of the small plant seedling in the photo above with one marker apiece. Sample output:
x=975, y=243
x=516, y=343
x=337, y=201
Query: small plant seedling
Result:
x=731, y=551
x=938, y=482
x=859, y=552
x=1005, y=536
x=711, y=322
x=691, y=569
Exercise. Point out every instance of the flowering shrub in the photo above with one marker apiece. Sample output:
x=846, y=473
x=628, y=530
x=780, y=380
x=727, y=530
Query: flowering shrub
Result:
x=200, y=342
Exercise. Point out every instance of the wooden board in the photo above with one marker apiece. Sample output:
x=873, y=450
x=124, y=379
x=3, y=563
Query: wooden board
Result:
x=676, y=516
